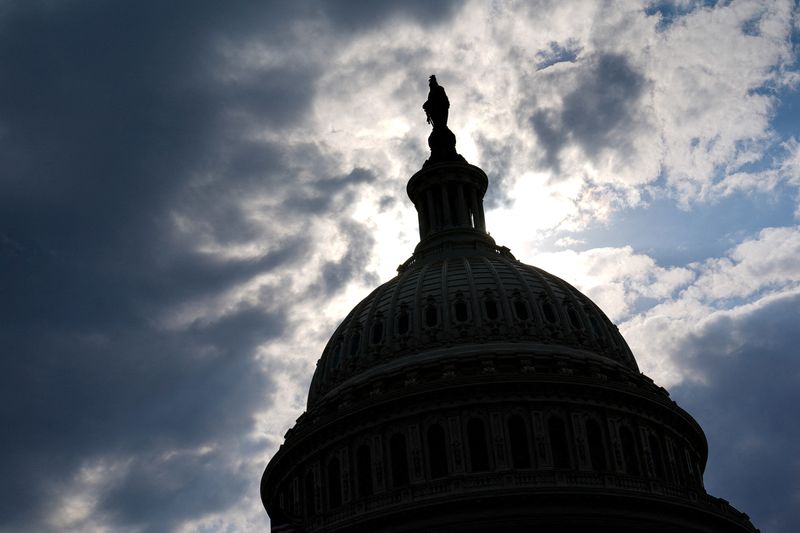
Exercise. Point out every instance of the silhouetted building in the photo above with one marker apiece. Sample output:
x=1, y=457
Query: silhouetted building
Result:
x=473, y=392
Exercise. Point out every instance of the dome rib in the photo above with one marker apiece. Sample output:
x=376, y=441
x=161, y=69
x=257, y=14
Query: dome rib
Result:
x=417, y=311
x=475, y=304
x=444, y=308
x=535, y=312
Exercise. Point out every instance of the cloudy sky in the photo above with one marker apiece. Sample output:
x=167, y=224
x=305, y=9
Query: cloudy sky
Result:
x=193, y=194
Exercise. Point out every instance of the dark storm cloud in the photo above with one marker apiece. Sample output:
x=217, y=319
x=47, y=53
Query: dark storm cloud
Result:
x=114, y=119
x=598, y=114
x=336, y=273
x=748, y=410
x=158, y=484
x=364, y=14
x=318, y=196
x=70, y=394
x=496, y=157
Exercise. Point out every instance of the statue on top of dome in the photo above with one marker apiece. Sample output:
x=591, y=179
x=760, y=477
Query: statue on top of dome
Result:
x=437, y=105
x=441, y=141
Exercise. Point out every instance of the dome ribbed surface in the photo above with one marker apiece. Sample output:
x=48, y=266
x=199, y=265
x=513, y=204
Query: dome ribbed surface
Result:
x=474, y=296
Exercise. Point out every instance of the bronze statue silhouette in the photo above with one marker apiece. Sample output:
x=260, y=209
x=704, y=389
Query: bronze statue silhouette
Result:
x=441, y=141
x=437, y=105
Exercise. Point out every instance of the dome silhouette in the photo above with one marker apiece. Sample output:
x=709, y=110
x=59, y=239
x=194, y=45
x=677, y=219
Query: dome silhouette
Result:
x=461, y=293
x=475, y=392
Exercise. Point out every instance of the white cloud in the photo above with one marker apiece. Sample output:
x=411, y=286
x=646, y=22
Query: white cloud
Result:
x=705, y=68
x=751, y=274
x=617, y=279
x=766, y=262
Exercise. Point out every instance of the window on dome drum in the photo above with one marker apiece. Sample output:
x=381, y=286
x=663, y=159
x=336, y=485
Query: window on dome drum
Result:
x=431, y=315
x=629, y=453
x=521, y=309
x=478, y=449
x=658, y=457
x=364, y=471
x=549, y=312
x=698, y=472
x=518, y=438
x=681, y=467
x=597, y=447
x=573, y=317
x=285, y=499
x=403, y=322
x=398, y=456
x=308, y=493
x=460, y=309
x=452, y=197
x=690, y=469
x=355, y=340
x=694, y=467
x=595, y=325
x=437, y=451
x=337, y=352
x=334, y=484
x=438, y=214
x=377, y=330
x=558, y=442
x=489, y=303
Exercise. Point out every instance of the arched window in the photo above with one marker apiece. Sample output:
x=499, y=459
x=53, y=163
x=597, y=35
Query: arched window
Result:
x=337, y=351
x=355, y=340
x=658, y=456
x=518, y=438
x=308, y=494
x=437, y=451
x=549, y=312
x=558, y=442
x=460, y=308
x=680, y=458
x=364, y=471
x=478, y=449
x=398, y=456
x=693, y=467
x=490, y=304
x=455, y=213
x=521, y=309
x=573, y=317
x=688, y=463
x=286, y=499
x=629, y=452
x=377, y=330
x=595, y=326
x=431, y=314
x=403, y=321
x=334, y=483
x=597, y=447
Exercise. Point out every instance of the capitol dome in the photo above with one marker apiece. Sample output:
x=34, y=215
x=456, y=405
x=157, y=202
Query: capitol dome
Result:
x=459, y=292
x=475, y=392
